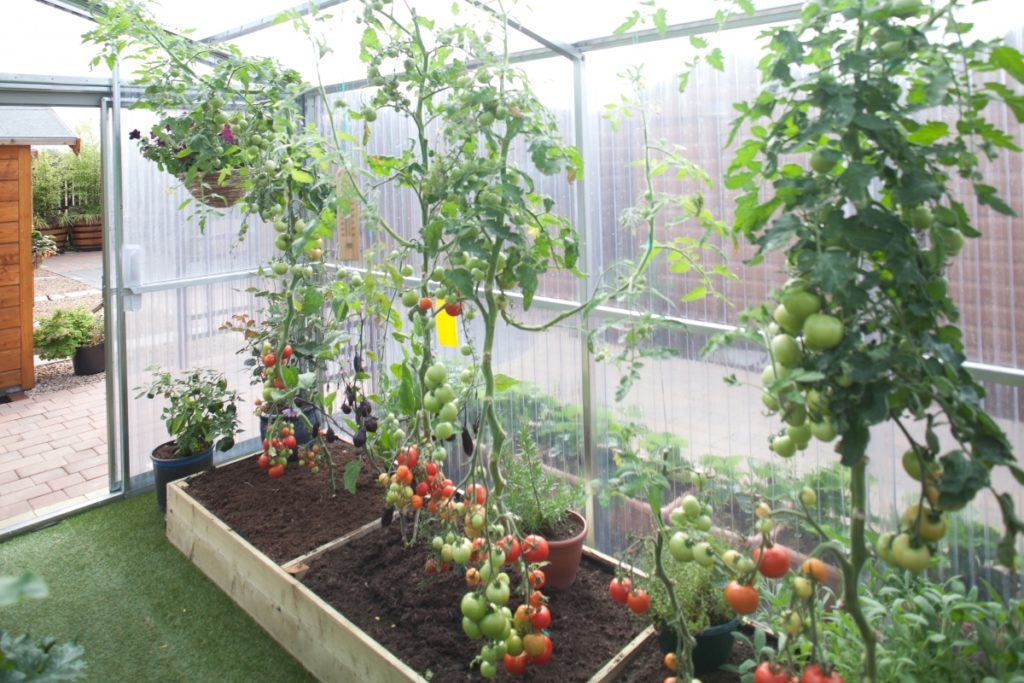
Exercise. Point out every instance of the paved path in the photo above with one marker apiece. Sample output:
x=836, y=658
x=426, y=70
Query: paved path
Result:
x=53, y=445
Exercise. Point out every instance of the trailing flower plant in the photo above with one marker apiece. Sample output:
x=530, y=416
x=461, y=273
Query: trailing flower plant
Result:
x=865, y=331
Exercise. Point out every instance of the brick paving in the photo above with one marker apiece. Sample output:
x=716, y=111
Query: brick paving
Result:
x=53, y=452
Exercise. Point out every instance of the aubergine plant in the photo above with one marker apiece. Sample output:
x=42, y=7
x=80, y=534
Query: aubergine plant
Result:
x=888, y=99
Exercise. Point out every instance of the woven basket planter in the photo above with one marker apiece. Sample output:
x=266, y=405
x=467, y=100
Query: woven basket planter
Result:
x=208, y=191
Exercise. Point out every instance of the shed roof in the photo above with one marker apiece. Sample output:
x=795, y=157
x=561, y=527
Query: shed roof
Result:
x=35, y=126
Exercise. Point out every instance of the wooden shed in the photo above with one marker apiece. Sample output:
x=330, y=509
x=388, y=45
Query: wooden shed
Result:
x=20, y=129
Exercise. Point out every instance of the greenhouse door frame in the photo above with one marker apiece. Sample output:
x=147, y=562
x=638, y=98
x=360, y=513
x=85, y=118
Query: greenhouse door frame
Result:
x=104, y=96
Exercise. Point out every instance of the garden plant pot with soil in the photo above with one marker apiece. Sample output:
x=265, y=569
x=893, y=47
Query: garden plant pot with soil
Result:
x=564, y=554
x=168, y=467
x=90, y=360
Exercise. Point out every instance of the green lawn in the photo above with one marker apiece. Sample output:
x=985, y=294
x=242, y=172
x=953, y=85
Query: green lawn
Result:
x=138, y=606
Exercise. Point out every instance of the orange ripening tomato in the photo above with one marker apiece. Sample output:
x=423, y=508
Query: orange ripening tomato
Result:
x=741, y=598
x=815, y=568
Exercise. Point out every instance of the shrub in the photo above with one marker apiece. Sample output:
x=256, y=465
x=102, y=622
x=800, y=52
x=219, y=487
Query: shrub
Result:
x=63, y=332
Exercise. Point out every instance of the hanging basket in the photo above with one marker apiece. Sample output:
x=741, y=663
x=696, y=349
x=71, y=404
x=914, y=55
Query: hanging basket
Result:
x=208, y=191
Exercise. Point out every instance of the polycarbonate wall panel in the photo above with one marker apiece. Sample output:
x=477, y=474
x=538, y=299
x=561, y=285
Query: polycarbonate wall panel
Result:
x=177, y=330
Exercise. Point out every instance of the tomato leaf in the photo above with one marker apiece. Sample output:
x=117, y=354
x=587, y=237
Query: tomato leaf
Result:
x=352, y=469
x=406, y=398
x=504, y=382
x=1008, y=58
x=961, y=479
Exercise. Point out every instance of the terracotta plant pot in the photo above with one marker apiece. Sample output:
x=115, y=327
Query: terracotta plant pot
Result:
x=564, y=558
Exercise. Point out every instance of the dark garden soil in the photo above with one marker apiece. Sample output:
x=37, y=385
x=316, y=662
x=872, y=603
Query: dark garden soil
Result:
x=381, y=587
x=287, y=517
x=648, y=667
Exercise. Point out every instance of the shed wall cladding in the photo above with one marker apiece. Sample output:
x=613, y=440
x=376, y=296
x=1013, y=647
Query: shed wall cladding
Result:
x=16, y=290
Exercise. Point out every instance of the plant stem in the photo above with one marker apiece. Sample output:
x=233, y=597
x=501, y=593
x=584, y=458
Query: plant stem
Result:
x=686, y=642
x=852, y=571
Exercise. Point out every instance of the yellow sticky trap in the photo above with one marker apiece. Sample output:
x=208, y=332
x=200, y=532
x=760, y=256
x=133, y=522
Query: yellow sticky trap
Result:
x=447, y=332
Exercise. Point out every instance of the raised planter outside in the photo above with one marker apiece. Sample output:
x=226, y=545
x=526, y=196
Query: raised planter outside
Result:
x=324, y=641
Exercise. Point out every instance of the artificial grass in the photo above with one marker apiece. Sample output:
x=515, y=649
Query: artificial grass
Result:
x=140, y=609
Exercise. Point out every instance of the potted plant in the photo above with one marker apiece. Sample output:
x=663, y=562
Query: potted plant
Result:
x=90, y=357
x=72, y=333
x=200, y=415
x=43, y=246
x=545, y=502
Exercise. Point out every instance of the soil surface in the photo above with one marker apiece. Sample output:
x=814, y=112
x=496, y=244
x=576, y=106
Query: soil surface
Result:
x=648, y=667
x=290, y=516
x=381, y=586
x=59, y=376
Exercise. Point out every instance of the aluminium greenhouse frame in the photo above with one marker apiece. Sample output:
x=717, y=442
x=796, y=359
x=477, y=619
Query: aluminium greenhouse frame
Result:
x=109, y=94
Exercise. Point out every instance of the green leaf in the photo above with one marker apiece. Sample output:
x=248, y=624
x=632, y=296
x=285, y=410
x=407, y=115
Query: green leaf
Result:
x=504, y=382
x=14, y=589
x=929, y=133
x=300, y=176
x=352, y=470
x=695, y=294
x=1006, y=57
x=629, y=23
x=659, y=21
x=406, y=396
x=961, y=479
x=987, y=196
x=307, y=380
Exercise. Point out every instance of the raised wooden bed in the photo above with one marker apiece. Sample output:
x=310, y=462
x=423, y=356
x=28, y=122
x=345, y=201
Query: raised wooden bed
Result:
x=87, y=237
x=330, y=646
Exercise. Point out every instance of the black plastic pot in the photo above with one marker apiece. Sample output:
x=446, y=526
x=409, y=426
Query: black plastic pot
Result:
x=90, y=360
x=302, y=435
x=713, y=645
x=167, y=470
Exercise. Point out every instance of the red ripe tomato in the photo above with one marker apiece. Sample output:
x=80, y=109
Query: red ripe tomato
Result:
x=535, y=548
x=422, y=488
x=426, y=304
x=766, y=672
x=289, y=442
x=478, y=491
x=638, y=601
x=431, y=469
x=263, y=461
x=540, y=618
x=536, y=599
x=515, y=666
x=412, y=456
x=510, y=546
x=814, y=674
x=276, y=472
x=266, y=445
x=774, y=562
x=619, y=589
x=545, y=656
x=741, y=598
x=287, y=352
x=536, y=579
x=278, y=384
x=453, y=309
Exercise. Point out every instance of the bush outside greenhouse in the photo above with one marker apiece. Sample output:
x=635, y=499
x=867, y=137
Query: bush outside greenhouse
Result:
x=602, y=343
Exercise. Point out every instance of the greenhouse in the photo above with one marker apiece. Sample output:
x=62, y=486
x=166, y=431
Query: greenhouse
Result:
x=381, y=340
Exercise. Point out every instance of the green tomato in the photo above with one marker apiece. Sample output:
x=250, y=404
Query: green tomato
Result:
x=884, y=546
x=904, y=9
x=462, y=552
x=679, y=547
x=800, y=303
x=784, y=446
x=952, y=240
x=445, y=393
x=430, y=402
x=473, y=606
x=677, y=517
x=822, y=332
x=769, y=401
x=443, y=430
x=514, y=645
x=785, y=350
x=691, y=506
x=905, y=555
x=800, y=434
x=437, y=374
x=786, y=320
x=921, y=217
x=703, y=554
x=795, y=414
x=703, y=523
x=279, y=268
x=471, y=629
x=808, y=497
x=497, y=592
x=410, y=298
x=488, y=670
x=802, y=588
x=494, y=626
x=816, y=403
x=466, y=350
x=823, y=430
x=448, y=412
x=773, y=373
x=823, y=161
